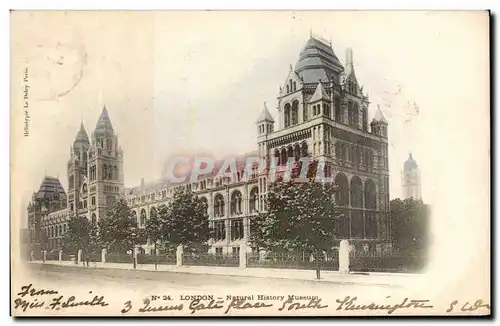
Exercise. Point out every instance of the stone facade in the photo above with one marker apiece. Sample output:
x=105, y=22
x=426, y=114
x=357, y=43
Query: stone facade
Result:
x=322, y=113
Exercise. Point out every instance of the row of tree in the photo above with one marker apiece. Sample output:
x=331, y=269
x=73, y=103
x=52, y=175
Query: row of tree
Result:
x=183, y=221
x=299, y=216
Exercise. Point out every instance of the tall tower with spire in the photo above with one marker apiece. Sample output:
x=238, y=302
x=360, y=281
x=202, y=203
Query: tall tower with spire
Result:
x=77, y=171
x=410, y=180
x=105, y=168
x=265, y=126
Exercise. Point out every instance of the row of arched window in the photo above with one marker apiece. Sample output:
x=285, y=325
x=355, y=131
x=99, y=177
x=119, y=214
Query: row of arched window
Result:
x=291, y=86
x=354, y=194
x=55, y=230
x=292, y=152
x=236, y=203
x=354, y=154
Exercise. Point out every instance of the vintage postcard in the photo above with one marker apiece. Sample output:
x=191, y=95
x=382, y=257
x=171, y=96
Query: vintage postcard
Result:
x=250, y=163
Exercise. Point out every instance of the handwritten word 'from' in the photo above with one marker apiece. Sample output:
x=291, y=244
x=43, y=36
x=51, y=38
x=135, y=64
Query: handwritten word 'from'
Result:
x=31, y=298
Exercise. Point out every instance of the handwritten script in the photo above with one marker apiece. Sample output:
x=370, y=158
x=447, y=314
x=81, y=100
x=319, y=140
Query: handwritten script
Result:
x=30, y=298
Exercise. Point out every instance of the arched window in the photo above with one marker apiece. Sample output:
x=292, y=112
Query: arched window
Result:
x=283, y=158
x=153, y=211
x=349, y=113
x=289, y=152
x=355, y=115
x=295, y=112
x=294, y=86
x=254, y=200
x=236, y=203
x=296, y=152
x=219, y=205
x=339, y=113
x=356, y=192
x=365, y=120
x=304, y=114
x=288, y=88
x=304, y=150
x=287, y=112
x=342, y=193
x=93, y=219
x=277, y=156
x=342, y=199
x=370, y=196
x=143, y=217
x=134, y=216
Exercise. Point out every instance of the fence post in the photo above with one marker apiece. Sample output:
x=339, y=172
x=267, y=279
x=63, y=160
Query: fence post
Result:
x=44, y=255
x=344, y=256
x=79, y=257
x=103, y=255
x=60, y=255
x=179, y=255
x=135, y=253
x=243, y=256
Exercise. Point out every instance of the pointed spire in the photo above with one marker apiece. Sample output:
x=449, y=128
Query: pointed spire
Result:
x=81, y=137
x=310, y=32
x=319, y=94
x=379, y=116
x=349, y=64
x=265, y=115
x=104, y=123
x=291, y=68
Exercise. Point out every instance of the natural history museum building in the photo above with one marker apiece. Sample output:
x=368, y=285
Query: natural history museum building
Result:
x=322, y=112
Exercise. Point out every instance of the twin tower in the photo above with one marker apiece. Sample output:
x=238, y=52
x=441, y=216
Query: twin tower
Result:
x=95, y=171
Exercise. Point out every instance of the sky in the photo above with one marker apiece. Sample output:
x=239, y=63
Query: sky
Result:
x=190, y=82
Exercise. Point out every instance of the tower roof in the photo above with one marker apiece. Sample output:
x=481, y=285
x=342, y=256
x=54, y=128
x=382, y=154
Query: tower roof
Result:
x=379, y=116
x=319, y=94
x=81, y=137
x=265, y=115
x=104, y=124
x=317, y=61
x=410, y=164
x=49, y=187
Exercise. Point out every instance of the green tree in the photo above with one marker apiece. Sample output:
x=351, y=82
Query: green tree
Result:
x=78, y=235
x=186, y=222
x=409, y=225
x=299, y=216
x=155, y=228
x=118, y=229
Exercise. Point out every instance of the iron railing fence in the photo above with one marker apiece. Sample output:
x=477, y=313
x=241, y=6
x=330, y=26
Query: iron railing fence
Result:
x=119, y=258
x=387, y=262
x=161, y=259
x=67, y=256
x=53, y=255
x=211, y=260
x=299, y=260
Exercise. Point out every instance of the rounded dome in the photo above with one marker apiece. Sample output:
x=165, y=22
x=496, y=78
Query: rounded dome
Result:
x=410, y=164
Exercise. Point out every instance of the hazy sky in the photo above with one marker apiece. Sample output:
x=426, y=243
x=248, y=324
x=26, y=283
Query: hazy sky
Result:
x=181, y=82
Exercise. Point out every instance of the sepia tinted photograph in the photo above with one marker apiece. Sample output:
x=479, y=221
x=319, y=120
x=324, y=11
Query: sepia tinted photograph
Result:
x=250, y=163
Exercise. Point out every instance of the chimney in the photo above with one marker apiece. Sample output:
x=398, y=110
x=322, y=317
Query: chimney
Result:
x=348, y=57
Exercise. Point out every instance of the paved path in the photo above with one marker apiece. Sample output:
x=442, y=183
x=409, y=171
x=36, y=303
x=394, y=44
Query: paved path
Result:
x=377, y=279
